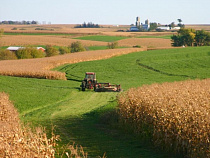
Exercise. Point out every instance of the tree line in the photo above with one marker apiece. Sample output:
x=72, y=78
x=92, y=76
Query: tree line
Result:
x=88, y=25
x=18, y=22
x=191, y=37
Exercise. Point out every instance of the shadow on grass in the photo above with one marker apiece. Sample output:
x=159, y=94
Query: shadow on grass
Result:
x=94, y=132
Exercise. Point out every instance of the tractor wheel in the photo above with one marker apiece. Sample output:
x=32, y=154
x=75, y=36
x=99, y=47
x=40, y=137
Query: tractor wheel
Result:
x=83, y=86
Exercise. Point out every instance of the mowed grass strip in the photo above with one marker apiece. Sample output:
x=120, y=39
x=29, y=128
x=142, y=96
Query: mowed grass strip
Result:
x=102, y=38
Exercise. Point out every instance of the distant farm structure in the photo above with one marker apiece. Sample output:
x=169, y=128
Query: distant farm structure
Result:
x=140, y=26
x=147, y=26
x=14, y=49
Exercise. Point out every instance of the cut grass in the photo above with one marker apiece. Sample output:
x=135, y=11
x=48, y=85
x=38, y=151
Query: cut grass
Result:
x=102, y=38
x=84, y=117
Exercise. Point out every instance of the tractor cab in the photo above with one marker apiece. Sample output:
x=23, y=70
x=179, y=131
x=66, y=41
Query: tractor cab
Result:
x=89, y=81
x=90, y=76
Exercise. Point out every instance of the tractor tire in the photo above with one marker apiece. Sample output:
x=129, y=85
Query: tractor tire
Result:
x=83, y=86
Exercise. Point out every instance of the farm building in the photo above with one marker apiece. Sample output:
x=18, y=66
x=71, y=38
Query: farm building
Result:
x=167, y=28
x=13, y=49
x=140, y=25
x=134, y=28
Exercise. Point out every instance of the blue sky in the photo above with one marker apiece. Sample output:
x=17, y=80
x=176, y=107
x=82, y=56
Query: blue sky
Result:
x=106, y=11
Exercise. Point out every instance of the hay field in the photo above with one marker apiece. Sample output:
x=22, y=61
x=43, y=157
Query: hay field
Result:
x=40, y=68
x=176, y=115
x=199, y=27
x=146, y=42
x=13, y=40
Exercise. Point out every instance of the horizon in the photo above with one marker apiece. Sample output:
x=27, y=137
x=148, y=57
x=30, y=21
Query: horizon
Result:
x=118, y=12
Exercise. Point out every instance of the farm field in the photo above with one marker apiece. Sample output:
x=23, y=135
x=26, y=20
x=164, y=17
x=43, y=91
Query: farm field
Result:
x=87, y=121
x=64, y=35
x=40, y=68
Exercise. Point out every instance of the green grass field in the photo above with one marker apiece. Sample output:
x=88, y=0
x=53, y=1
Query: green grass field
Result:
x=102, y=38
x=86, y=117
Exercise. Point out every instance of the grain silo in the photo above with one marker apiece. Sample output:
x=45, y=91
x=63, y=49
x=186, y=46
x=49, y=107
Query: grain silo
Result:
x=137, y=21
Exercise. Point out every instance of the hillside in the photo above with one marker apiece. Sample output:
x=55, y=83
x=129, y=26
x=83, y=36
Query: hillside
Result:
x=84, y=117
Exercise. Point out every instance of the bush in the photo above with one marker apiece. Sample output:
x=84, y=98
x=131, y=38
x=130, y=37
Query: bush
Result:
x=77, y=47
x=137, y=46
x=112, y=45
x=29, y=52
x=35, y=53
x=64, y=50
x=51, y=51
x=7, y=55
x=23, y=53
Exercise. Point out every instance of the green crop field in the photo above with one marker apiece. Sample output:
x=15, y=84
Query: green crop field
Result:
x=86, y=117
x=102, y=38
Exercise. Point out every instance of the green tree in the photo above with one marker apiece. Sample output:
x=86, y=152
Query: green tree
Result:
x=202, y=38
x=35, y=53
x=64, y=50
x=77, y=47
x=29, y=52
x=180, y=23
x=185, y=37
x=51, y=51
x=7, y=55
x=153, y=26
x=23, y=53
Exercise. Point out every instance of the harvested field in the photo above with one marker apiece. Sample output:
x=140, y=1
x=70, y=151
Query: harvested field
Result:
x=13, y=40
x=20, y=141
x=176, y=115
x=40, y=68
x=146, y=42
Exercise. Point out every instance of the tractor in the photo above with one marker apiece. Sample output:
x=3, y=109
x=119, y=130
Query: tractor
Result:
x=90, y=82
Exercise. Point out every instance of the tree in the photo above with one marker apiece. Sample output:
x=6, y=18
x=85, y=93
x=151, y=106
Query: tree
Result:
x=202, y=38
x=180, y=23
x=153, y=26
x=77, y=47
x=51, y=51
x=172, y=25
x=7, y=55
x=185, y=37
x=64, y=50
x=23, y=53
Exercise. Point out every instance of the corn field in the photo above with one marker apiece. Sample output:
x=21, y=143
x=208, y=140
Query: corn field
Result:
x=18, y=141
x=176, y=115
x=40, y=68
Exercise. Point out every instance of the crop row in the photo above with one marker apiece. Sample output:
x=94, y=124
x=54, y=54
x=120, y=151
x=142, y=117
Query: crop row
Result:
x=20, y=141
x=175, y=115
x=40, y=68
